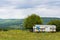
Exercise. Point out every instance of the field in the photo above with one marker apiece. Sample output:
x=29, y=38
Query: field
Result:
x=26, y=35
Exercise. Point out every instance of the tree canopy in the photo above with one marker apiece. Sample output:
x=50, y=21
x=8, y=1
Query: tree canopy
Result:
x=32, y=20
x=55, y=22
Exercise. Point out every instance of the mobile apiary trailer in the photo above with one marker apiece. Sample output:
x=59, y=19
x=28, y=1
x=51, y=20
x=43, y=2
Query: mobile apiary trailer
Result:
x=44, y=28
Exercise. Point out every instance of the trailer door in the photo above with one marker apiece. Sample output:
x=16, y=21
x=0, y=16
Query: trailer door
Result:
x=47, y=29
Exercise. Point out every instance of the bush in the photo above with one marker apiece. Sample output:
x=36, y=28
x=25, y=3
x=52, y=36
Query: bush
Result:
x=55, y=22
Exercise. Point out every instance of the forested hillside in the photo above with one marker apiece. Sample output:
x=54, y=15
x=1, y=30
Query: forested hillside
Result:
x=18, y=23
x=47, y=19
x=11, y=23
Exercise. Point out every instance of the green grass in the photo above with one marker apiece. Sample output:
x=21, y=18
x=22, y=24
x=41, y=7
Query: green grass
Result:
x=26, y=35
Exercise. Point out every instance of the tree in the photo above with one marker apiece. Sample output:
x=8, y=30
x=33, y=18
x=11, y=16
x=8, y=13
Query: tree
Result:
x=32, y=20
x=55, y=22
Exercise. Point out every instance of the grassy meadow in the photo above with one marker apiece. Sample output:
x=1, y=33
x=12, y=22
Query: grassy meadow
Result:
x=26, y=35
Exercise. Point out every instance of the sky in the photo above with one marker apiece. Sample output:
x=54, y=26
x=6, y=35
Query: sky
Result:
x=19, y=9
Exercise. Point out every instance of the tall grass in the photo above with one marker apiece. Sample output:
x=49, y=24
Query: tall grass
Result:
x=26, y=35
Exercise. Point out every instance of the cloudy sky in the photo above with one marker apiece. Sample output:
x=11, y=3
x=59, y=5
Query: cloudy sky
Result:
x=22, y=8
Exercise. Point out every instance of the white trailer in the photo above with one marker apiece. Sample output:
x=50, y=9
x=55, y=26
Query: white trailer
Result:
x=44, y=28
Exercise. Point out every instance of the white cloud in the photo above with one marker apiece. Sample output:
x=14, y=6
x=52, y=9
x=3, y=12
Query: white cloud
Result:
x=44, y=12
x=11, y=13
x=23, y=8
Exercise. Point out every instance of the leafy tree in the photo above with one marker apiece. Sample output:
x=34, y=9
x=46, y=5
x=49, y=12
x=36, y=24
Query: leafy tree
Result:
x=55, y=22
x=32, y=20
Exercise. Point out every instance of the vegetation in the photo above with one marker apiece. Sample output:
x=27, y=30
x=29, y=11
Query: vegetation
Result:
x=32, y=20
x=8, y=24
x=26, y=35
x=55, y=22
x=48, y=19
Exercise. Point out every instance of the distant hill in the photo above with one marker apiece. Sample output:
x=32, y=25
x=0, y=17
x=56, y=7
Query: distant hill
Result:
x=18, y=23
x=11, y=23
x=47, y=19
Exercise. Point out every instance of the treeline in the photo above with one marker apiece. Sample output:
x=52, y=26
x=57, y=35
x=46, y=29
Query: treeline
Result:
x=34, y=19
x=8, y=24
x=28, y=23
